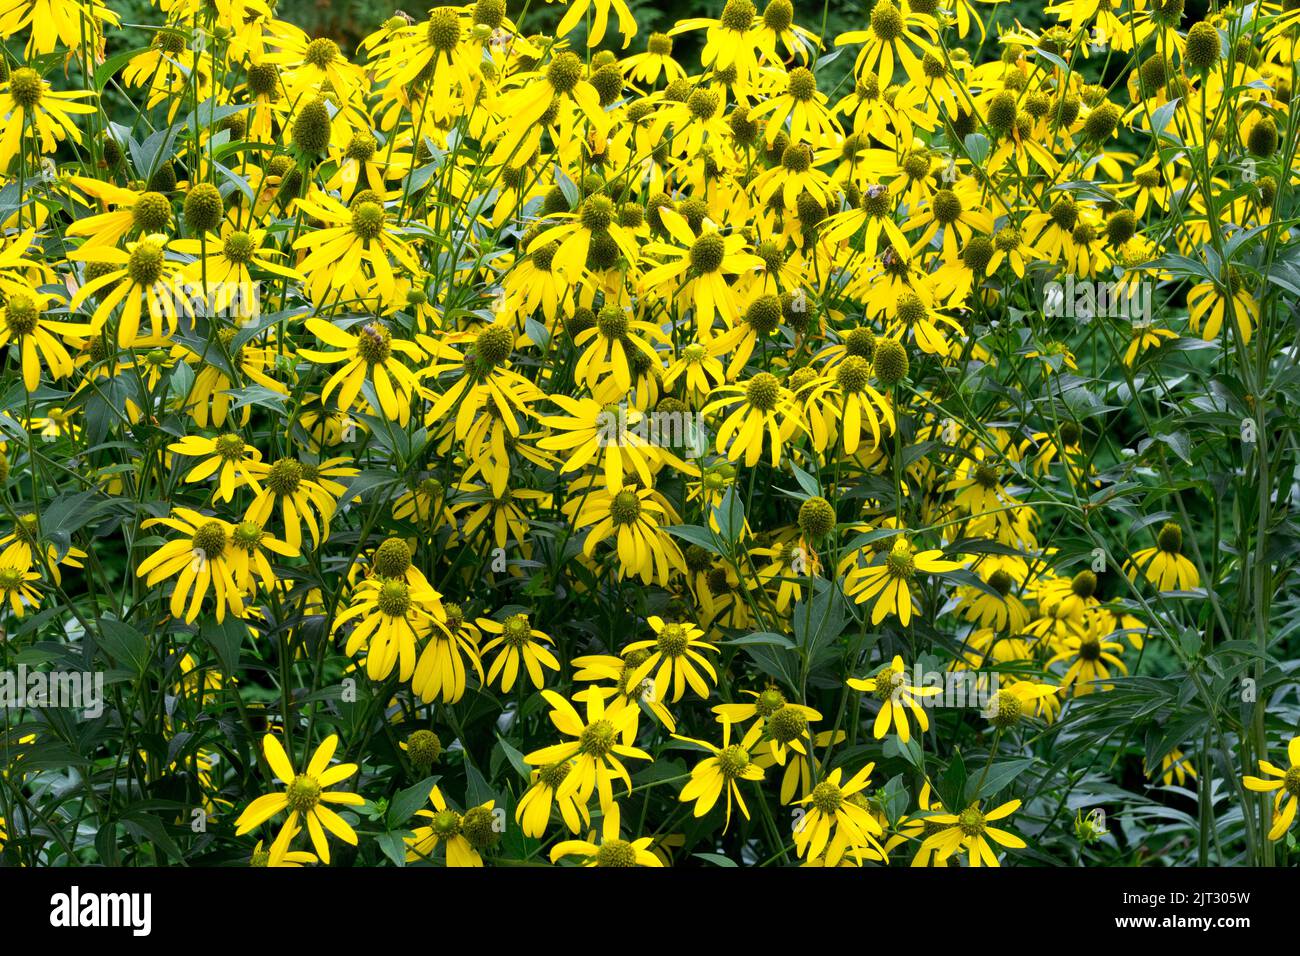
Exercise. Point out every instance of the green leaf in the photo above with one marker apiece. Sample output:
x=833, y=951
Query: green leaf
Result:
x=729, y=515
x=106, y=70
x=703, y=537
x=404, y=804
x=393, y=846
x=819, y=621
x=762, y=637
x=716, y=859
x=124, y=644
x=515, y=757
x=776, y=662
x=999, y=777
x=952, y=785
x=226, y=638
x=977, y=147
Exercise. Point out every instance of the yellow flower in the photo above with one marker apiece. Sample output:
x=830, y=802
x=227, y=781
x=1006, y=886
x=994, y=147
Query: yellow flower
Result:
x=1164, y=565
x=765, y=412
x=834, y=823
x=1286, y=788
x=228, y=456
x=199, y=560
x=891, y=688
x=612, y=850
x=29, y=107
x=595, y=748
x=462, y=835
x=717, y=776
x=140, y=278
x=305, y=798
x=17, y=589
x=674, y=659
x=970, y=829
x=440, y=671
x=25, y=326
x=889, y=582
x=370, y=355
x=518, y=642
x=635, y=518
x=534, y=810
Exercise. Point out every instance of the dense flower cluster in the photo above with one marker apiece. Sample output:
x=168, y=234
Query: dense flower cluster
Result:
x=619, y=457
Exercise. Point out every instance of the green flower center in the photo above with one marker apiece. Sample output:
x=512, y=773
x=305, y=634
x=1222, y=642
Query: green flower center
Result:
x=1170, y=539
x=303, y=793
x=827, y=797
x=374, y=343
x=443, y=31
x=152, y=212
x=368, y=220
x=26, y=87
x=229, y=447
x=1292, y=781
x=738, y=15
x=284, y=477
x=672, y=640
x=210, y=539
x=733, y=761
x=947, y=207
x=445, y=823
x=802, y=84
x=899, y=562
x=971, y=822
x=394, y=599
x=1084, y=584
x=1009, y=711
x=392, y=558
x=564, y=72
x=554, y=774
x=246, y=536
x=478, y=828
x=707, y=253
x=769, y=702
x=362, y=147
x=1064, y=213
x=321, y=52
x=779, y=16
x=517, y=630
x=145, y=265
x=852, y=374
x=887, y=682
x=238, y=247
x=616, y=853
x=763, y=391
x=597, y=213
x=787, y=724
x=612, y=322
x=887, y=21
x=21, y=315
x=598, y=739
x=797, y=158
x=703, y=104
x=494, y=344
x=625, y=508
x=424, y=748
